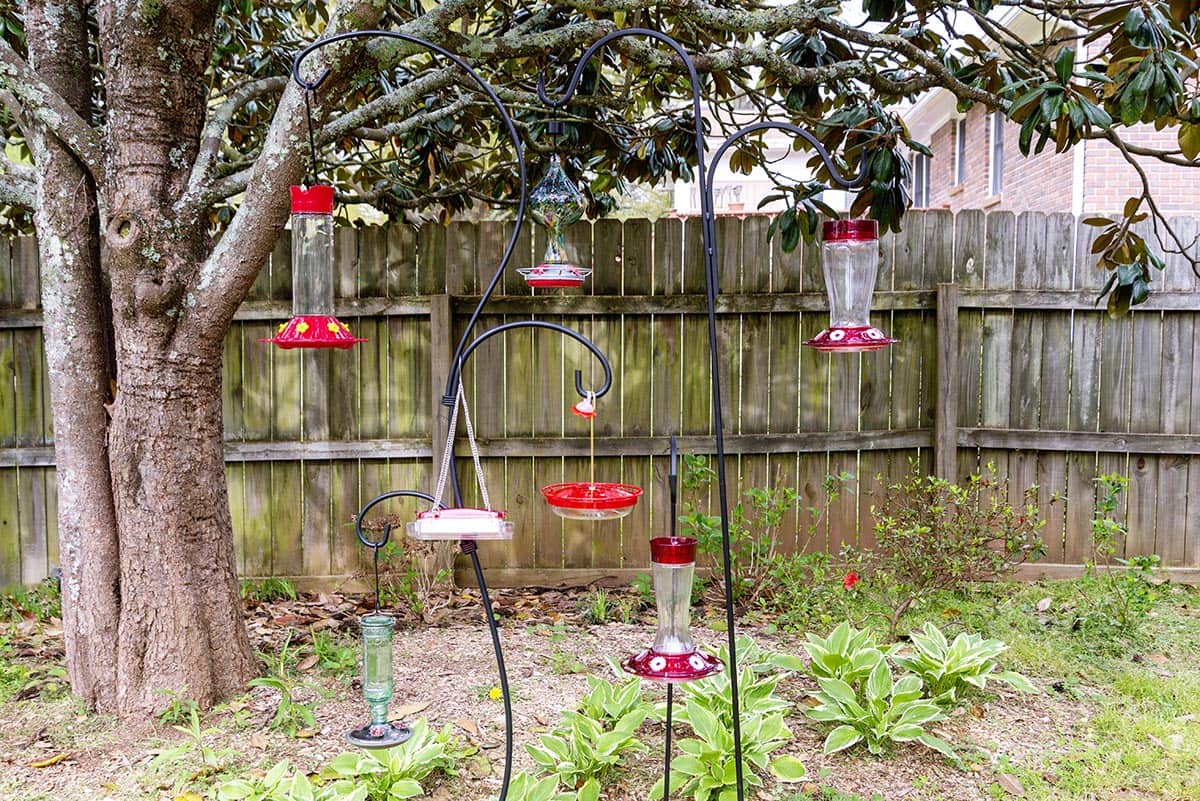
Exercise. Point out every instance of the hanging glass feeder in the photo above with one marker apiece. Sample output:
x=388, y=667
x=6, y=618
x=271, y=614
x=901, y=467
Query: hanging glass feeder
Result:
x=850, y=259
x=673, y=657
x=556, y=202
x=377, y=684
x=591, y=500
x=313, y=324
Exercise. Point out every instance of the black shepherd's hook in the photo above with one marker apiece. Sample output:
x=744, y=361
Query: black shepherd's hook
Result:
x=377, y=545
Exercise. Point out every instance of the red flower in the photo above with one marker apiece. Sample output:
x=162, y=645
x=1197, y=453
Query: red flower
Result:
x=850, y=580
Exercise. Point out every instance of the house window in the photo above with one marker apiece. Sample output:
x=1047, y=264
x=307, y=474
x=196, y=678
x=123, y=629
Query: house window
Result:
x=960, y=151
x=995, y=153
x=920, y=180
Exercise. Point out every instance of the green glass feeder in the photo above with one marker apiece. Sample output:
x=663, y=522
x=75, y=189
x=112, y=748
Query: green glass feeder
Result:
x=377, y=685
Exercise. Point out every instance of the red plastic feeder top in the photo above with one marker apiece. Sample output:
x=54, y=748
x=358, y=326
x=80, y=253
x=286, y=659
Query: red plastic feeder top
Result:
x=314, y=331
x=584, y=500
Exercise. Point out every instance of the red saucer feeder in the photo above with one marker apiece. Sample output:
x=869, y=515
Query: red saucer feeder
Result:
x=850, y=259
x=461, y=524
x=313, y=324
x=673, y=658
x=585, y=500
x=314, y=331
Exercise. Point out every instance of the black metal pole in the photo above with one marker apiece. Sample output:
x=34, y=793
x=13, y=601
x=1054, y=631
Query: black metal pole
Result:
x=511, y=131
x=667, y=759
x=708, y=234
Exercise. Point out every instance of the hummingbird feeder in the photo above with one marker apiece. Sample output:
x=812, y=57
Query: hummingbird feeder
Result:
x=313, y=324
x=673, y=657
x=591, y=500
x=556, y=202
x=850, y=258
x=377, y=685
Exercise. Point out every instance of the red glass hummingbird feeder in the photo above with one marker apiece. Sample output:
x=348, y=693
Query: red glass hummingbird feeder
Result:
x=850, y=259
x=673, y=657
x=591, y=500
x=313, y=324
x=556, y=202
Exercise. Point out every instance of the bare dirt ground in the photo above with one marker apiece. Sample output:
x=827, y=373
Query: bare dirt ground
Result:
x=446, y=674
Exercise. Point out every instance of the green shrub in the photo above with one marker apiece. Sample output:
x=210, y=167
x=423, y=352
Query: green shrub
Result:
x=582, y=748
x=847, y=654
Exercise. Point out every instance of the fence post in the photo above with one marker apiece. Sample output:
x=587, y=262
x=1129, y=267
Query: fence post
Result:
x=945, y=424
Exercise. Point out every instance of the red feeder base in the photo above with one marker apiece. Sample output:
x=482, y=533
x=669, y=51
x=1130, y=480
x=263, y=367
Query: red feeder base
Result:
x=672, y=668
x=839, y=339
x=314, y=331
x=551, y=276
x=582, y=500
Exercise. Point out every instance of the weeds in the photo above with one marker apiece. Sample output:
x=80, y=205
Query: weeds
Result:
x=268, y=590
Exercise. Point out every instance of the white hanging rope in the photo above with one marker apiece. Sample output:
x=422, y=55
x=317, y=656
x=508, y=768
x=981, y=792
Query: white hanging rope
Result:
x=448, y=450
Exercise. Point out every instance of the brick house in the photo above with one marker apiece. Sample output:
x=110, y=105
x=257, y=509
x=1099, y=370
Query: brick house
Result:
x=977, y=164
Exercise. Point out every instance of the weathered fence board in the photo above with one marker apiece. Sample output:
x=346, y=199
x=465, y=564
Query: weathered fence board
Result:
x=1040, y=382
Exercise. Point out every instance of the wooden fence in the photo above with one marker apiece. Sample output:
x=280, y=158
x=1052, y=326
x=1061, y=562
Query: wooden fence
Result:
x=1004, y=359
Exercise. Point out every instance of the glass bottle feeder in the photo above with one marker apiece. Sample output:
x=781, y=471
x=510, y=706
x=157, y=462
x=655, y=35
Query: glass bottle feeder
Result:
x=673, y=657
x=850, y=259
x=377, y=685
x=313, y=324
x=591, y=500
x=556, y=202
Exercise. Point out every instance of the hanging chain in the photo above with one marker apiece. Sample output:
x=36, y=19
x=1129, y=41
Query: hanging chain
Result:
x=592, y=449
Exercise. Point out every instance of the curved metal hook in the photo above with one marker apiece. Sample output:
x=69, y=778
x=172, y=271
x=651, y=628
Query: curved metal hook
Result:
x=835, y=175
x=573, y=85
x=510, y=129
x=387, y=529
x=456, y=368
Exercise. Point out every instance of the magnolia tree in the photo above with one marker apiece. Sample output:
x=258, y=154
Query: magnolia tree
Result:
x=150, y=144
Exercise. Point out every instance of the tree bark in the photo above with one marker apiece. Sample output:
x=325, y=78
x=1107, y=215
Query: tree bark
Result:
x=78, y=353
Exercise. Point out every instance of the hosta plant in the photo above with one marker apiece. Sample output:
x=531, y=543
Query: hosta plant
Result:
x=847, y=654
x=949, y=668
x=526, y=787
x=280, y=783
x=395, y=773
x=582, y=748
x=607, y=702
x=886, y=711
x=706, y=766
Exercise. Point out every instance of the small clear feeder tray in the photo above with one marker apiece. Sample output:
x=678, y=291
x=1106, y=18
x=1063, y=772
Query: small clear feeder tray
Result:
x=555, y=275
x=461, y=524
x=583, y=500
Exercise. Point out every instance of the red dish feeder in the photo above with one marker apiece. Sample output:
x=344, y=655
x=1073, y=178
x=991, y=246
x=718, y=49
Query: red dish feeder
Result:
x=584, y=500
x=314, y=331
x=551, y=276
x=673, y=658
x=850, y=259
x=461, y=524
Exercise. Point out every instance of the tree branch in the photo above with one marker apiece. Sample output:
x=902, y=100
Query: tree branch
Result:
x=214, y=129
x=43, y=105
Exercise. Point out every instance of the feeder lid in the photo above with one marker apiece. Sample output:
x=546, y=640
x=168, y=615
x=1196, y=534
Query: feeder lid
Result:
x=314, y=331
x=586, y=495
x=316, y=199
x=850, y=231
x=461, y=524
x=672, y=668
x=673, y=550
x=845, y=339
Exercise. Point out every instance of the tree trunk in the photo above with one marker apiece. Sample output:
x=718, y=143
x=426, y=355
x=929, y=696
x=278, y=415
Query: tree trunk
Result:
x=181, y=625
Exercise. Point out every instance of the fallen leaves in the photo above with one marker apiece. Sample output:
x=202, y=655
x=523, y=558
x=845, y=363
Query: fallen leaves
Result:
x=54, y=760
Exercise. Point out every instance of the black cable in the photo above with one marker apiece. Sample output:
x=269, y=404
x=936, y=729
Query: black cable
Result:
x=312, y=140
